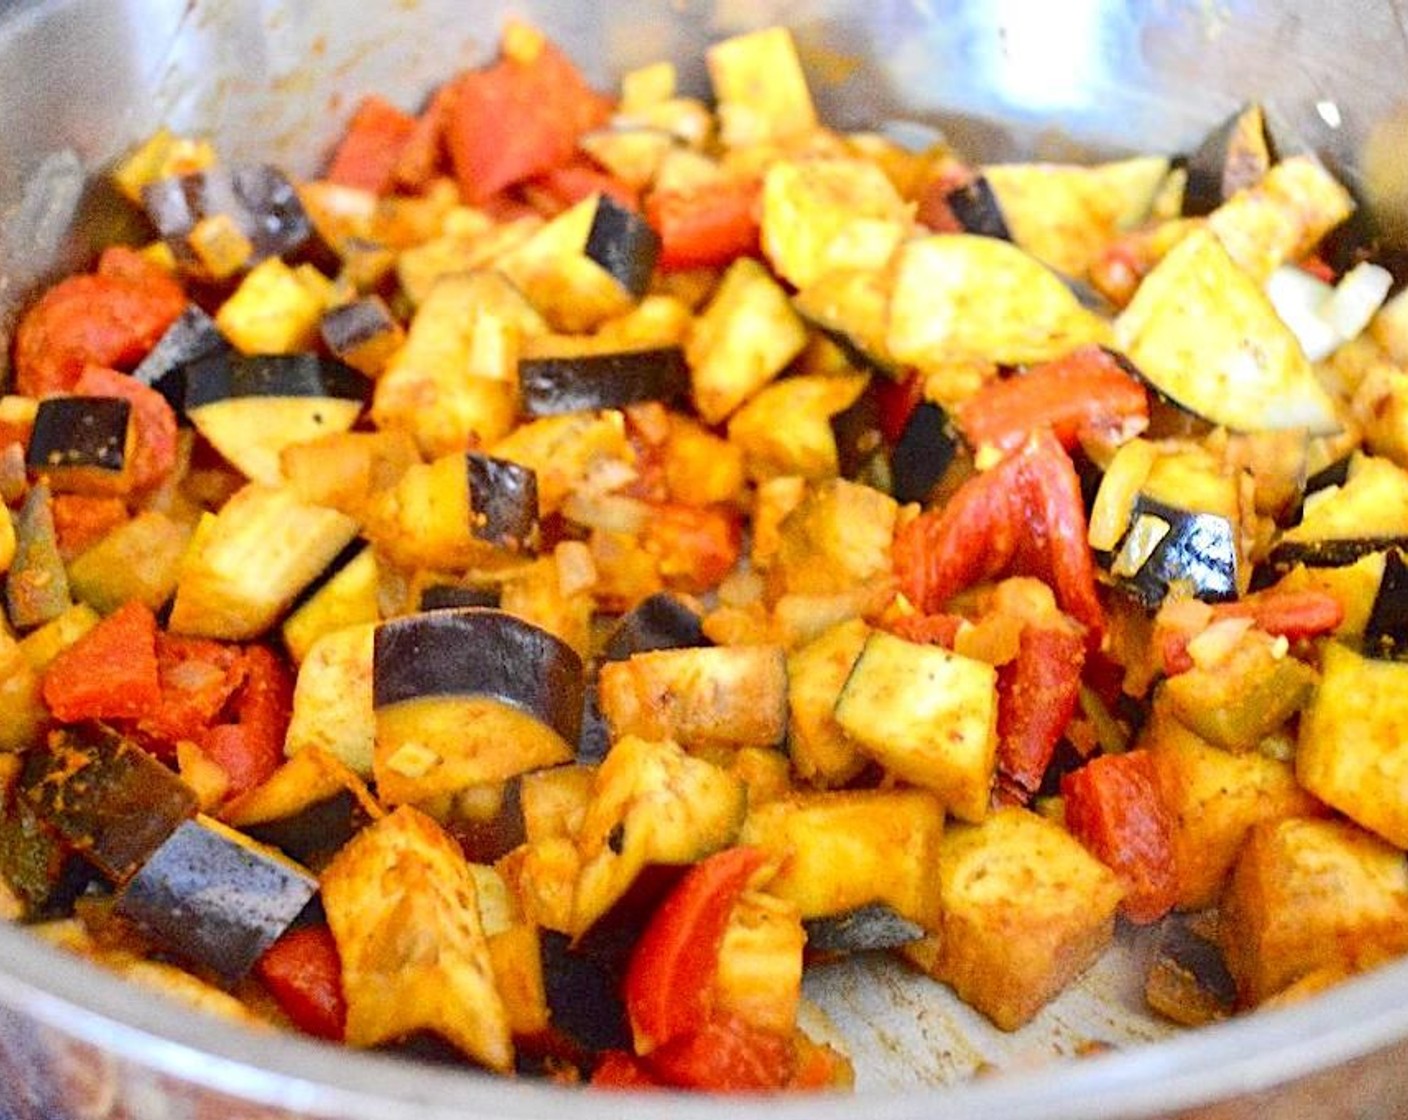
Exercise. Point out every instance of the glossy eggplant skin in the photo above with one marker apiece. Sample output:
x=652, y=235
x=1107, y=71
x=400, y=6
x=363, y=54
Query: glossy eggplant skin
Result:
x=976, y=207
x=864, y=929
x=479, y=652
x=589, y=382
x=192, y=337
x=1199, y=550
x=107, y=798
x=1234, y=155
x=88, y=433
x=214, y=898
x=584, y=995
x=1386, y=632
x=504, y=499
x=451, y=596
x=260, y=199
x=923, y=452
x=489, y=839
x=315, y=833
x=623, y=243
x=228, y=375
x=1336, y=552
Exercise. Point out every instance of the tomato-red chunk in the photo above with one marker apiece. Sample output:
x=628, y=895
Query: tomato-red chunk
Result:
x=516, y=119
x=370, y=150
x=616, y=1069
x=707, y=227
x=1022, y=517
x=110, y=672
x=1084, y=392
x=109, y=318
x=695, y=547
x=303, y=972
x=1291, y=614
x=669, y=986
x=726, y=1055
x=251, y=748
x=1113, y=807
x=1037, y=694
x=198, y=677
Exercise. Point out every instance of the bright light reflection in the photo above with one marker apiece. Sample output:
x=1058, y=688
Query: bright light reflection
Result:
x=1048, y=53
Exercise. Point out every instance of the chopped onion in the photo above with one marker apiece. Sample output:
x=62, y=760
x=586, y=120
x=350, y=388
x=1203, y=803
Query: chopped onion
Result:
x=1322, y=317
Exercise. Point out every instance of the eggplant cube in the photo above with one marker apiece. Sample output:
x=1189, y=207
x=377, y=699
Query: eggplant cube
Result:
x=36, y=587
x=624, y=244
x=504, y=497
x=42, y=872
x=584, y=994
x=923, y=453
x=82, y=444
x=1232, y=157
x=1166, y=545
x=867, y=928
x=216, y=897
x=589, y=382
x=110, y=800
x=193, y=336
x=363, y=333
x=1386, y=632
x=977, y=209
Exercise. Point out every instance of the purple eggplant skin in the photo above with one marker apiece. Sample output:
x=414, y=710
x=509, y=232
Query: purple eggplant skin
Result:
x=976, y=207
x=107, y=798
x=1199, y=551
x=923, y=453
x=623, y=243
x=88, y=432
x=591, y=382
x=867, y=928
x=1236, y=154
x=228, y=375
x=317, y=832
x=861, y=454
x=489, y=840
x=215, y=900
x=1338, y=552
x=260, y=199
x=191, y=338
x=479, y=651
x=504, y=499
x=1386, y=632
x=452, y=596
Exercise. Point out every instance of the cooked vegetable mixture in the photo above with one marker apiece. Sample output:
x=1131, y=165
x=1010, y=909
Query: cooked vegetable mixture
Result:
x=537, y=588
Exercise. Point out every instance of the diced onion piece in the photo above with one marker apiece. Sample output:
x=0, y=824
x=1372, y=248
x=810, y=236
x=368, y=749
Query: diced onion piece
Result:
x=1119, y=489
x=1323, y=317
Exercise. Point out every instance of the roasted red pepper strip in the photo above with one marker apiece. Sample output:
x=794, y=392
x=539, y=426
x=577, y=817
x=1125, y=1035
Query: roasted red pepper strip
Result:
x=110, y=672
x=516, y=119
x=726, y=1055
x=303, y=971
x=1037, y=694
x=252, y=748
x=154, y=423
x=109, y=318
x=708, y=227
x=1085, y=391
x=1113, y=807
x=669, y=985
x=1294, y=615
x=1022, y=517
x=370, y=149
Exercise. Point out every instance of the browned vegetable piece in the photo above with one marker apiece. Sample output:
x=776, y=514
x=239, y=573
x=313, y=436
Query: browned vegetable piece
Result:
x=106, y=797
x=36, y=589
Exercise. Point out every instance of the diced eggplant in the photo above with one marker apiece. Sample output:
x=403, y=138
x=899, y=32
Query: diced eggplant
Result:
x=662, y=621
x=1386, y=633
x=468, y=697
x=583, y=990
x=248, y=563
x=363, y=333
x=344, y=595
x=464, y=510
x=1166, y=545
x=589, y=382
x=82, y=444
x=40, y=870
x=108, y=799
x=216, y=898
x=192, y=337
x=1235, y=155
x=975, y=206
x=923, y=453
x=852, y=309
x=36, y=587
x=451, y=596
x=623, y=243
x=867, y=928
x=785, y=429
x=487, y=821
x=861, y=455
x=250, y=407
x=1367, y=513
x=259, y=202
x=315, y=833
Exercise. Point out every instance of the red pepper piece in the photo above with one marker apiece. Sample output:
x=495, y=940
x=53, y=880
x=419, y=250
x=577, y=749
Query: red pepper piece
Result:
x=303, y=972
x=1038, y=691
x=516, y=119
x=572, y=182
x=251, y=748
x=154, y=422
x=370, y=149
x=1022, y=517
x=617, y=1069
x=896, y=402
x=669, y=985
x=110, y=672
x=1294, y=615
x=1085, y=391
x=82, y=520
x=1113, y=807
x=726, y=1055
x=109, y=318
x=926, y=629
x=708, y=227
x=694, y=546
